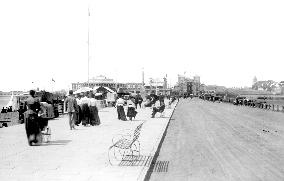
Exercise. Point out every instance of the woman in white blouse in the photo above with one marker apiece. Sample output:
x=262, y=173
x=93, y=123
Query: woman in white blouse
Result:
x=131, y=112
x=120, y=110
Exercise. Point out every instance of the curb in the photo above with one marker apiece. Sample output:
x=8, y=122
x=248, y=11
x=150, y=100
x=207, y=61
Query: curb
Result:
x=152, y=165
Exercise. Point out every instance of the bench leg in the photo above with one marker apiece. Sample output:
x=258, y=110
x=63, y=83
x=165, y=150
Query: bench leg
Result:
x=135, y=151
x=116, y=155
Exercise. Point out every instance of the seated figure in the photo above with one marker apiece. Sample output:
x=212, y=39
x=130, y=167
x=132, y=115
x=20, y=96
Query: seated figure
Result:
x=159, y=109
x=3, y=110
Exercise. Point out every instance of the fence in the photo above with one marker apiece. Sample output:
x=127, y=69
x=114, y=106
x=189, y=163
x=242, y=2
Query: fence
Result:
x=265, y=106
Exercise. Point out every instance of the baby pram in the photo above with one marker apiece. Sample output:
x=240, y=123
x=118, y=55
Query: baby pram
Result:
x=43, y=124
x=45, y=130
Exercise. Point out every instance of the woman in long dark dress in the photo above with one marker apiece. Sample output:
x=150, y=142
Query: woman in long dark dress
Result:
x=131, y=112
x=120, y=109
x=31, y=118
x=94, y=113
x=78, y=114
x=85, y=110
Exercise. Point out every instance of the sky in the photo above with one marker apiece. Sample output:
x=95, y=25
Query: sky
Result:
x=224, y=42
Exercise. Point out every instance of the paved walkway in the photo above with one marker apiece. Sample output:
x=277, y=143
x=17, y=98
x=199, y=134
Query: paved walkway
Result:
x=80, y=154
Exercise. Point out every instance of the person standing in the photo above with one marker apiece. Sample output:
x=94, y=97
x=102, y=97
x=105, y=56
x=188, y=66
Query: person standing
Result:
x=32, y=126
x=140, y=100
x=161, y=98
x=136, y=101
x=120, y=110
x=131, y=112
x=85, y=109
x=70, y=107
x=78, y=110
x=94, y=113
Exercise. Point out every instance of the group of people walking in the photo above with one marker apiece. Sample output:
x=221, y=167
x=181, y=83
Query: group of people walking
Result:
x=82, y=109
x=131, y=104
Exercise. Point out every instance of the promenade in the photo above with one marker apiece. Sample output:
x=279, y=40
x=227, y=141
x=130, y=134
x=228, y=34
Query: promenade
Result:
x=80, y=154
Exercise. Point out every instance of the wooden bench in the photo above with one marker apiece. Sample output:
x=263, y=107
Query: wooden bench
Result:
x=125, y=146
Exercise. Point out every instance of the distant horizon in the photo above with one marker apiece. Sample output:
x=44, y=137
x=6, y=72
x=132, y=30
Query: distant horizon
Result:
x=26, y=90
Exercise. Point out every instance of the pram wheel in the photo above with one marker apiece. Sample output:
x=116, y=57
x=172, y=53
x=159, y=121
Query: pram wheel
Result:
x=46, y=135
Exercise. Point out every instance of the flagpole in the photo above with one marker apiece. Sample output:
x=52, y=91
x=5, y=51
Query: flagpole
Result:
x=88, y=46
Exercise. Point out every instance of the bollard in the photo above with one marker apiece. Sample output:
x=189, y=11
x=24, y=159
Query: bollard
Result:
x=277, y=108
x=272, y=107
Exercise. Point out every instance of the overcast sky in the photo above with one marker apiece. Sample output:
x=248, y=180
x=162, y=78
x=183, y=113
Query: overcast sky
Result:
x=225, y=42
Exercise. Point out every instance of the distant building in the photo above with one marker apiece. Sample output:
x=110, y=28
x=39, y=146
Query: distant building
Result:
x=160, y=86
x=281, y=85
x=133, y=87
x=254, y=81
x=188, y=85
x=267, y=85
x=196, y=79
x=157, y=86
x=98, y=82
x=10, y=93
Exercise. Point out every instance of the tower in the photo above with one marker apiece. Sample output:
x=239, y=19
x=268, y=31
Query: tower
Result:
x=165, y=82
x=254, y=80
x=143, y=77
x=254, y=83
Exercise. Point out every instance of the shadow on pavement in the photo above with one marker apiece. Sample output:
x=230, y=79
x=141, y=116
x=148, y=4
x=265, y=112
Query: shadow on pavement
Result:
x=141, y=160
x=160, y=117
x=136, y=120
x=57, y=142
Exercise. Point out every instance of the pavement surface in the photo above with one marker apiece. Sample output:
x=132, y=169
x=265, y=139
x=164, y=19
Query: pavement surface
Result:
x=80, y=154
x=208, y=141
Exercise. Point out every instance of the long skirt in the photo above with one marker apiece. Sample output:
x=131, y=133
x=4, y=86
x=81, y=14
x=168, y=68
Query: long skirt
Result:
x=78, y=115
x=94, y=116
x=121, y=113
x=32, y=127
x=131, y=112
x=43, y=123
x=85, y=114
